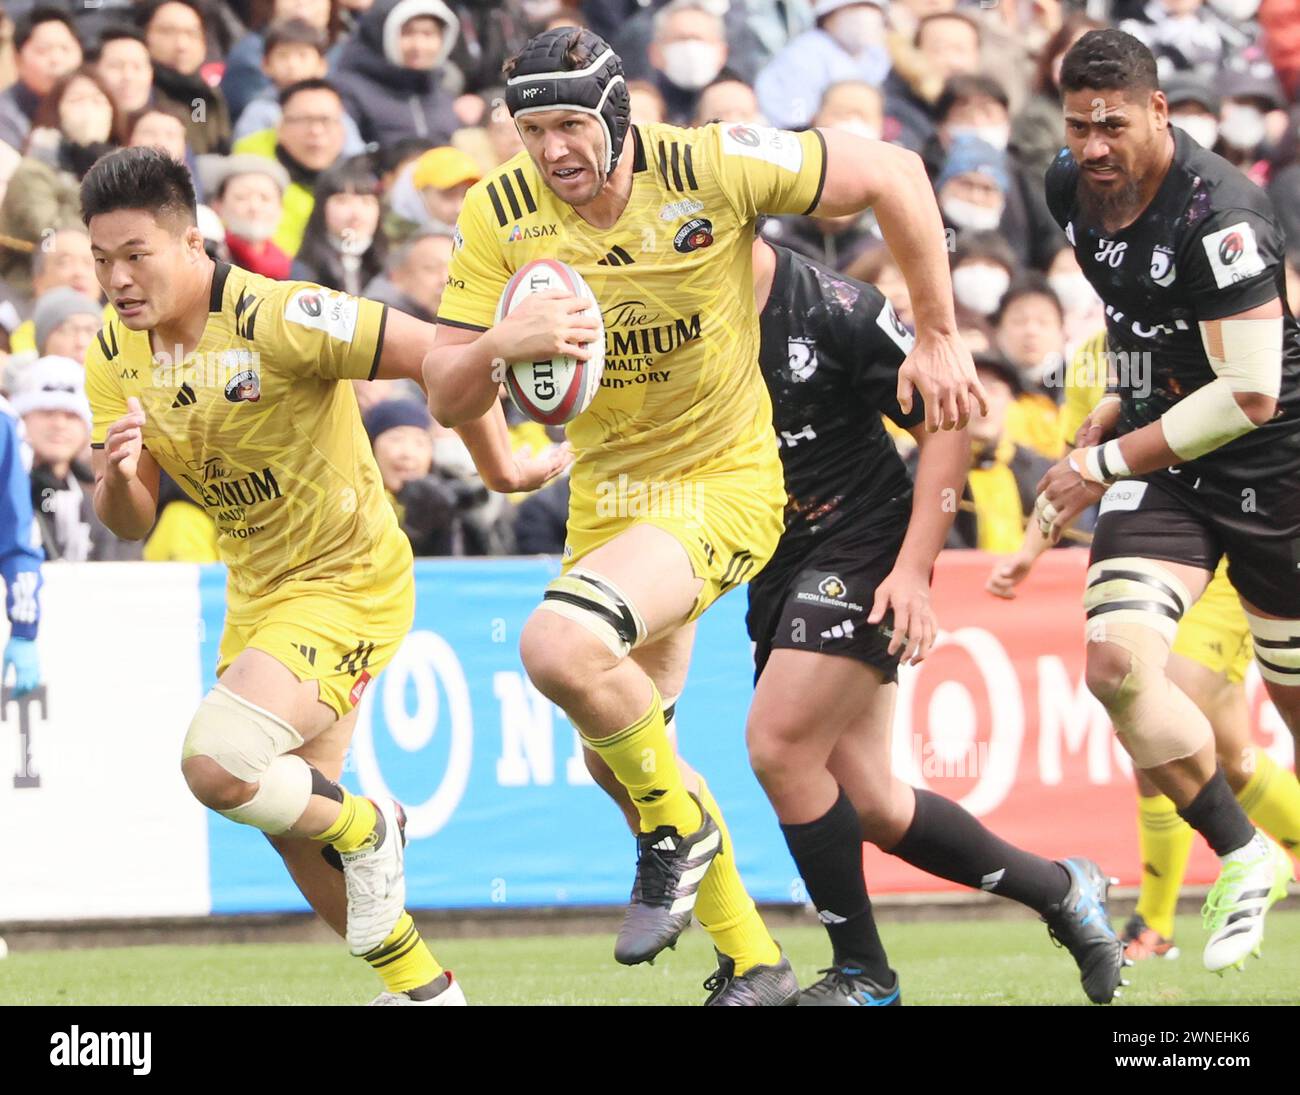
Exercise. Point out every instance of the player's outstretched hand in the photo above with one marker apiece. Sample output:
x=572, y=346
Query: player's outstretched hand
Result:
x=1007, y=574
x=1063, y=494
x=915, y=627
x=124, y=440
x=941, y=369
x=549, y=323
x=532, y=471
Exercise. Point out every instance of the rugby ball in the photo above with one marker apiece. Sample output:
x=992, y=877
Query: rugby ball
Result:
x=558, y=390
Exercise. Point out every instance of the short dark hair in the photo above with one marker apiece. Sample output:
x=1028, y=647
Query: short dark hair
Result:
x=138, y=178
x=960, y=89
x=114, y=32
x=312, y=83
x=294, y=32
x=146, y=11
x=44, y=13
x=162, y=106
x=1031, y=284
x=1106, y=60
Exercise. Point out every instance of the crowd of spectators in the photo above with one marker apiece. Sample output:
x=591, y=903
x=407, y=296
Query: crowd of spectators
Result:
x=334, y=140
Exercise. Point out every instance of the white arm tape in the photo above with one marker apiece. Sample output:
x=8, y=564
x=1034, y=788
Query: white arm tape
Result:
x=1252, y=355
x=1201, y=422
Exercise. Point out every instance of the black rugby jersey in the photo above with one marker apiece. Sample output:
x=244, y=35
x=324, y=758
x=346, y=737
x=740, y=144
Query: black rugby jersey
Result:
x=830, y=351
x=1207, y=246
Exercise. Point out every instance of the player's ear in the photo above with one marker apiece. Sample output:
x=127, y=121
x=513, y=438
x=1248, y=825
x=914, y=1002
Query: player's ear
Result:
x=1159, y=108
x=194, y=242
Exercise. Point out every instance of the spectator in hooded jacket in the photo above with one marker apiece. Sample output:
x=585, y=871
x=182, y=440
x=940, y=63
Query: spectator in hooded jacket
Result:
x=46, y=48
x=176, y=32
x=391, y=73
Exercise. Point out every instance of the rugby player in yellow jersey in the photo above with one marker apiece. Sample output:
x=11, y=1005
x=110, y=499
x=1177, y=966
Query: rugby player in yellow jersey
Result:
x=1209, y=658
x=239, y=388
x=677, y=490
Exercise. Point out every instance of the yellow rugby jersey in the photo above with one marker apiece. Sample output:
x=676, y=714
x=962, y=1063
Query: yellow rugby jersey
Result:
x=681, y=393
x=1085, y=384
x=255, y=426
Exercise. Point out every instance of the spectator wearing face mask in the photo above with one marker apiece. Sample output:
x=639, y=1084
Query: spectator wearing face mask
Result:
x=983, y=266
x=972, y=187
x=688, y=52
x=414, y=275
x=294, y=50
x=1083, y=309
x=342, y=247
x=631, y=40
x=1247, y=125
x=51, y=399
x=46, y=48
x=74, y=125
x=391, y=72
x=1194, y=107
x=976, y=107
x=247, y=193
x=1029, y=331
x=846, y=44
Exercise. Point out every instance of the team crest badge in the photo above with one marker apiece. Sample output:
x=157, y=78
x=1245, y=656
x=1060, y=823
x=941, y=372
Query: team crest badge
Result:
x=832, y=587
x=694, y=234
x=1163, y=270
x=244, y=387
x=803, y=358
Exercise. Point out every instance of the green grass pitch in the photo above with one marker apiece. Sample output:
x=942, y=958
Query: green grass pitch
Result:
x=948, y=962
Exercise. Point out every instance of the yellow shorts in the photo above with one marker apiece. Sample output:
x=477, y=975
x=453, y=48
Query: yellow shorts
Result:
x=1214, y=633
x=338, y=634
x=728, y=524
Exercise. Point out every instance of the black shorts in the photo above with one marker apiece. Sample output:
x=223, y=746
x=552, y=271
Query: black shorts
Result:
x=820, y=599
x=1195, y=520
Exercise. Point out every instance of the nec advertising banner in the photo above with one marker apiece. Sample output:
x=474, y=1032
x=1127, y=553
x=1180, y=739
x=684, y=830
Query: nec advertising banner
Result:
x=500, y=808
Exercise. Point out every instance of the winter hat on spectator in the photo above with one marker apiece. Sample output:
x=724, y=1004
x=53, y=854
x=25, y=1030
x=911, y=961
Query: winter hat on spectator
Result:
x=403, y=12
x=215, y=171
x=391, y=413
x=971, y=156
x=1252, y=84
x=58, y=305
x=52, y=384
x=443, y=168
x=1183, y=87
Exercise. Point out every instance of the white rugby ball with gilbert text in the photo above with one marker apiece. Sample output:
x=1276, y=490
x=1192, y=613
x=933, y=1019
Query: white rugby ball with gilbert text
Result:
x=558, y=390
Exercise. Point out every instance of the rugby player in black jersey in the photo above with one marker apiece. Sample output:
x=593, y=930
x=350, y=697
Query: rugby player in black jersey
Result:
x=844, y=599
x=1201, y=443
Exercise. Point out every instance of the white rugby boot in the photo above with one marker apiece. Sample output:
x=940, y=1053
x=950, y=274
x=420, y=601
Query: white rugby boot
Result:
x=1252, y=879
x=376, y=885
x=453, y=996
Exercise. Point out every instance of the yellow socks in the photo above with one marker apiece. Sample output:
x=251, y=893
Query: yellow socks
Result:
x=1166, y=841
x=1271, y=798
x=724, y=908
x=643, y=760
x=354, y=826
x=403, y=960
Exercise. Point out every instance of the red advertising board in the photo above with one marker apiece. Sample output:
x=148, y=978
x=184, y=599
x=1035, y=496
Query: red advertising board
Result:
x=999, y=719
